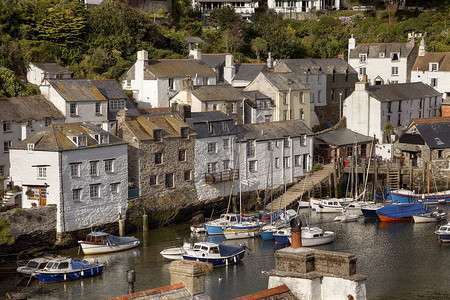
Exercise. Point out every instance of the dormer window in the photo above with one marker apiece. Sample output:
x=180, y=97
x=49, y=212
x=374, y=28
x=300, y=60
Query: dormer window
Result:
x=210, y=127
x=157, y=135
x=395, y=56
x=6, y=126
x=30, y=147
x=101, y=138
x=184, y=132
x=116, y=105
x=434, y=67
x=80, y=140
x=363, y=57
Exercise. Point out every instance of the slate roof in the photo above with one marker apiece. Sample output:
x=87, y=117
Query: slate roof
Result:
x=342, y=137
x=272, y=130
x=77, y=89
x=111, y=89
x=317, y=66
x=56, y=137
x=214, y=60
x=200, y=121
x=28, y=108
x=247, y=72
x=170, y=125
x=374, y=50
x=155, y=111
x=52, y=68
x=422, y=62
x=173, y=68
x=284, y=81
x=435, y=131
x=217, y=93
x=402, y=91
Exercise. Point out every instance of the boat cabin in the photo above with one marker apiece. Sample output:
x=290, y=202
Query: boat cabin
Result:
x=204, y=247
x=58, y=264
x=229, y=217
x=97, y=238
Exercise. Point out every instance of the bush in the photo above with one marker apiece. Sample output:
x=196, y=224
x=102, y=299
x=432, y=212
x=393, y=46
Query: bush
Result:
x=18, y=211
x=39, y=218
x=317, y=168
x=16, y=188
x=130, y=205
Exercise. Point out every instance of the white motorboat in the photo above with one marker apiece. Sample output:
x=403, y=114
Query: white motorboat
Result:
x=198, y=228
x=246, y=229
x=314, y=236
x=443, y=233
x=215, y=227
x=332, y=205
x=32, y=266
x=101, y=242
x=429, y=217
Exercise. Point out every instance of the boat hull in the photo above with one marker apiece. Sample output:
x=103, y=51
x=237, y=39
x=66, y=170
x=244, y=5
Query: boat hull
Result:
x=370, y=213
x=281, y=239
x=174, y=253
x=266, y=235
x=400, y=212
x=409, y=197
x=445, y=238
x=78, y=274
x=241, y=234
x=425, y=219
x=327, y=238
x=216, y=262
x=90, y=249
x=214, y=229
x=391, y=219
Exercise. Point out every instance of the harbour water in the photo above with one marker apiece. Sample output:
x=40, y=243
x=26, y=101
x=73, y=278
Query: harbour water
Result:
x=401, y=261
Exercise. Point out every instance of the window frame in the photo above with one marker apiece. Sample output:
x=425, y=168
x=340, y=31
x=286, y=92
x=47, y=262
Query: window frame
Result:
x=78, y=193
x=109, y=165
x=94, y=191
x=77, y=169
x=93, y=168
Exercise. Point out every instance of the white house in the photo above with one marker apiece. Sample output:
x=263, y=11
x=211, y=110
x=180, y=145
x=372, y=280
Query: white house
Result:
x=40, y=73
x=155, y=81
x=244, y=8
x=432, y=68
x=79, y=167
x=369, y=108
x=259, y=108
x=273, y=153
x=290, y=7
x=21, y=117
x=383, y=63
x=79, y=100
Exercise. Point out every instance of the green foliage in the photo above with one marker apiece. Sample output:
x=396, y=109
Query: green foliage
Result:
x=11, y=86
x=28, y=218
x=259, y=45
x=316, y=168
x=5, y=236
x=39, y=219
x=223, y=18
x=129, y=206
x=18, y=211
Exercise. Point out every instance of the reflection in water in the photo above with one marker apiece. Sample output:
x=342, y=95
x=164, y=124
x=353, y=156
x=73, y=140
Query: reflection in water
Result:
x=401, y=261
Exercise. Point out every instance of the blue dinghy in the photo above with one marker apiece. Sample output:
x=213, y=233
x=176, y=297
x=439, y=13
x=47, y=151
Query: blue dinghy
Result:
x=217, y=255
x=65, y=269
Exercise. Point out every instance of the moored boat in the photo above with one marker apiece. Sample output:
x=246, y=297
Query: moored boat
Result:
x=65, y=269
x=369, y=211
x=407, y=196
x=315, y=236
x=247, y=229
x=400, y=212
x=429, y=217
x=216, y=254
x=175, y=253
x=331, y=205
x=215, y=227
x=443, y=233
x=282, y=235
x=198, y=228
x=101, y=242
x=32, y=266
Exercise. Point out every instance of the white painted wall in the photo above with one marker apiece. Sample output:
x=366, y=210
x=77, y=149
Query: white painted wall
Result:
x=87, y=212
x=35, y=75
x=381, y=67
x=86, y=112
x=443, y=80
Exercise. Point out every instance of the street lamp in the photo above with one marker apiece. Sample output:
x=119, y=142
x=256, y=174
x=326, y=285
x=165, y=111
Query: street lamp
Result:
x=340, y=105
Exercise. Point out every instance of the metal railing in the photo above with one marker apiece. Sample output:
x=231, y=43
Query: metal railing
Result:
x=227, y=175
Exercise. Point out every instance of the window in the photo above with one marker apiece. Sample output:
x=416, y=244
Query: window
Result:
x=182, y=155
x=267, y=118
x=394, y=56
x=80, y=140
x=98, y=110
x=277, y=162
x=33, y=193
x=302, y=99
x=169, y=180
x=269, y=146
x=389, y=107
x=278, y=3
x=184, y=133
x=363, y=58
x=171, y=83
x=73, y=109
x=394, y=81
x=116, y=105
x=399, y=120
x=6, y=146
x=224, y=126
x=283, y=98
x=212, y=147
x=434, y=82
x=42, y=172
x=297, y=160
x=301, y=114
x=152, y=180
x=212, y=167
x=109, y=166
x=399, y=106
x=226, y=143
x=303, y=140
x=251, y=148
x=215, y=107
x=210, y=127
x=394, y=70
x=311, y=100
x=30, y=147
x=362, y=71
x=48, y=121
x=157, y=135
x=158, y=158
x=433, y=67
x=226, y=164
x=285, y=162
x=440, y=154
x=6, y=126
x=75, y=170
x=187, y=175
x=252, y=166
x=286, y=142
x=2, y=170
x=234, y=108
x=284, y=115
x=318, y=96
x=114, y=187
x=94, y=191
x=76, y=195
x=93, y=168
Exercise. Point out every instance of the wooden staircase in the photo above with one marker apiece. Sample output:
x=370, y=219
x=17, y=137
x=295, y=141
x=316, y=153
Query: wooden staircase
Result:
x=393, y=179
x=311, y=183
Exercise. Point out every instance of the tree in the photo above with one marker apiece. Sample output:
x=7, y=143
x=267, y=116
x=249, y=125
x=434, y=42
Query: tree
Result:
x=388, y=129
x=259, y=45
x=11, y=86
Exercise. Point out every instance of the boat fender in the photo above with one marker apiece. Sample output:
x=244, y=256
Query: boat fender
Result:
x=65, y=278
x=226, y=261
x=235, y=260
x=82, y=273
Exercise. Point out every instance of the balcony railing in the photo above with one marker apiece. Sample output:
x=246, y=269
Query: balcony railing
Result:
x=216, y=177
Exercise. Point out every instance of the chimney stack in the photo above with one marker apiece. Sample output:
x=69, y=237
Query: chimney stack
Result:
x=341, y=55
x=229, y=70
x=196, y=53
x=422, y=47
x=351, y=44
x=270, y=61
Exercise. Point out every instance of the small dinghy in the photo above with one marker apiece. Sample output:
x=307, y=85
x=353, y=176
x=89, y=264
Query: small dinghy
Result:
x=65, y=269
x=443, y=233
x=216, y=254
x=175, y=253
x=101, y=242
